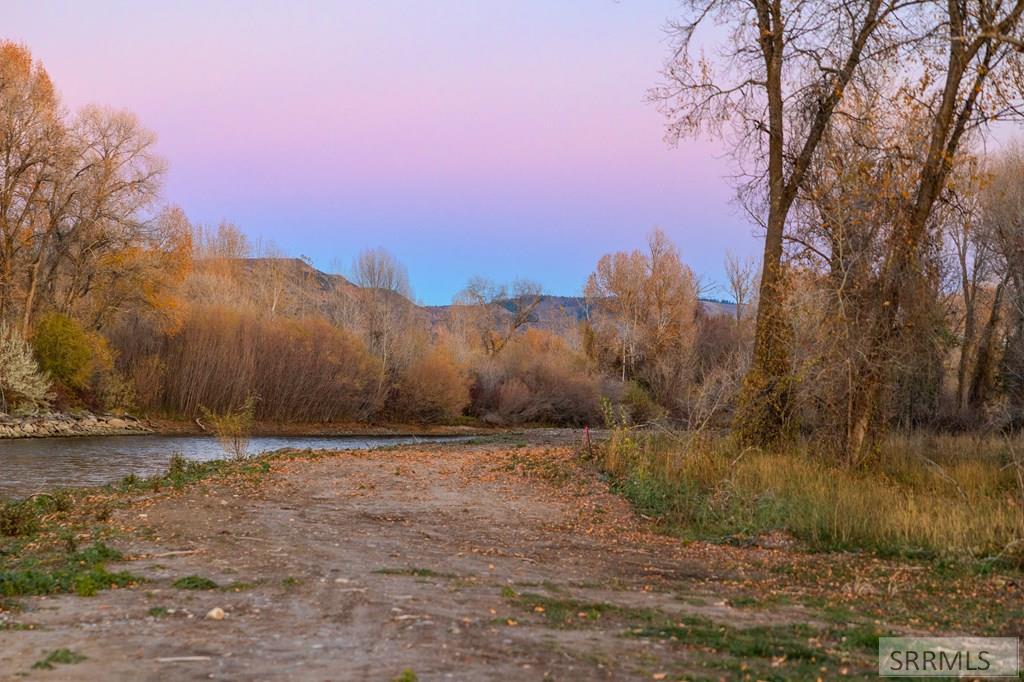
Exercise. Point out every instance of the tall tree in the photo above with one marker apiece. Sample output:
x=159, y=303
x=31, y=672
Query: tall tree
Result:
x=781, y=74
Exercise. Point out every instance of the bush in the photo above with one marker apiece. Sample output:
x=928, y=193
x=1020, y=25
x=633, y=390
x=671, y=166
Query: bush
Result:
x=639, y=404
x=22, y=385
x=302, y=369
x=433, y=388
x=234, y=427
x=64, y=350
x=18, y=519
x=536, y=378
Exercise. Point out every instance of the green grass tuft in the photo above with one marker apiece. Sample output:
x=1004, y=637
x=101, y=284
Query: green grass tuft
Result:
x=62, y=656
x=195, y=582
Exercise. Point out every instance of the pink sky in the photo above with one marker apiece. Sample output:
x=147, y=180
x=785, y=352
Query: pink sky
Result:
x=468, y=137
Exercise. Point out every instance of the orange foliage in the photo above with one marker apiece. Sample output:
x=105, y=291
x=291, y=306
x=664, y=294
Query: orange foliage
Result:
x=433, y=388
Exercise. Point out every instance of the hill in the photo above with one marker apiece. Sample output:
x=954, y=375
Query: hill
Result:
x=292, y=286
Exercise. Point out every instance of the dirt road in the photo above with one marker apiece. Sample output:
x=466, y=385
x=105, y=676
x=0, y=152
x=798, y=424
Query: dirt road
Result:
x=462, y=563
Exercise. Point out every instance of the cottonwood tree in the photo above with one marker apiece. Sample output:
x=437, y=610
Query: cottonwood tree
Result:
x=384, y=307
x=76, y=194
x=644, y=319
x=980, y=282
x=952, y=66
x=31, y=133
x=971, y=64
x=493, y=313
x=1002, y=223
x=876, y=209
x=772, y=91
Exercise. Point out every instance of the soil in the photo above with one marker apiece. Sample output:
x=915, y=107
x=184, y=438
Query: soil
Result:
x=485, y=561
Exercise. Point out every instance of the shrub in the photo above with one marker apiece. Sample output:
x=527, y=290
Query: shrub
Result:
x=195, y=582
x=302, y=369
x=537, y=378
x=639, y=404
x=18, y=519
x=433, y=388
x=233, y=427
x=22, y=385
x=64, y=350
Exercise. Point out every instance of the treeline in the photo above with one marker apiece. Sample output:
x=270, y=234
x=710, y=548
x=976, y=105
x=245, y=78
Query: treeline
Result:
x=859, y=131
x=112, y=300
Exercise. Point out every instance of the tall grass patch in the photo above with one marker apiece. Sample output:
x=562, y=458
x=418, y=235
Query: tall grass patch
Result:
x=928, y=496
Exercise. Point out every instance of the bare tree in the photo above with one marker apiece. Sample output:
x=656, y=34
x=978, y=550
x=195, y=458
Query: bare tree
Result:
x=645, y=305
x=741, y=274
x=781, y=75
x=384, y=306
x=493, y=312
x=378, y=269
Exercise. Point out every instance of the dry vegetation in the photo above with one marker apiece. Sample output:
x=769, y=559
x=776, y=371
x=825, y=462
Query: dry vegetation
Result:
x=962, y=502
x=865, y=392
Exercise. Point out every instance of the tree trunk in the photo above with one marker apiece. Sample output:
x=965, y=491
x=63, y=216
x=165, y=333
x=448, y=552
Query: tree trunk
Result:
x=763, y=406
x=984, y=368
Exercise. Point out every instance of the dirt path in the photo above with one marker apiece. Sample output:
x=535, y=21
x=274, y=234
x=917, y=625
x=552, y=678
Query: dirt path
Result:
x=462, y=563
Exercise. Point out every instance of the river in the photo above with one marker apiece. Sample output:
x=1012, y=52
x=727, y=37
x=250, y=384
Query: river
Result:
x=29, y=465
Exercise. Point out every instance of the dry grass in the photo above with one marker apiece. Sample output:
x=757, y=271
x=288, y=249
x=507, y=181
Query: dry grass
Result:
x=932, y=496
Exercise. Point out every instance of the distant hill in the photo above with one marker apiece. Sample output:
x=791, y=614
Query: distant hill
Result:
x=299, y=288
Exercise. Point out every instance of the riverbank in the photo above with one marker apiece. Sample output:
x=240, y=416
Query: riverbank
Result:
x=262, y=428
x=62, y=424
x=508, y=560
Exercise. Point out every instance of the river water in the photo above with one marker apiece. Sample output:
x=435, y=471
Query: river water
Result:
x=29, y=465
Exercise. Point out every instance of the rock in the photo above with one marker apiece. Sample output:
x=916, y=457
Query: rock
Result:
x=63, y=424
x=216, y=613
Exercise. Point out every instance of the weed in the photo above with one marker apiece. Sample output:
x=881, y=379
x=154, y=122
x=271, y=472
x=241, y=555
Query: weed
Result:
x=62, y=656
x=18, y=519
x=407, y=675
x=239, y=586
x=416, y=572
x=195, y=582
x=81, y=572
x=158, y=612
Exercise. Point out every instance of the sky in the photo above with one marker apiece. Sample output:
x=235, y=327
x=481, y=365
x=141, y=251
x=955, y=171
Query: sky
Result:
x=467, y=137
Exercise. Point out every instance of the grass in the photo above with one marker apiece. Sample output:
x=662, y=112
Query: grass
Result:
x=40, y=535
x=62, y=656
x=932, y=497
x=784, y=651
x=415, y=572
x=195, y=582
x=562, y=612
x=81, y=572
